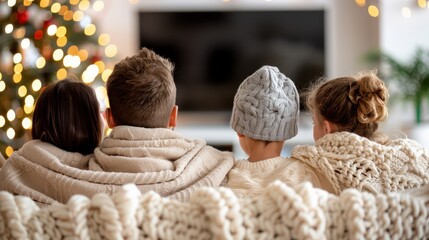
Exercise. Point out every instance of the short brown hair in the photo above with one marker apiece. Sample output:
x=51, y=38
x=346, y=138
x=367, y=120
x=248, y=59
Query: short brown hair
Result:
x=67, y=115
x=354, y=104
x=141, y=90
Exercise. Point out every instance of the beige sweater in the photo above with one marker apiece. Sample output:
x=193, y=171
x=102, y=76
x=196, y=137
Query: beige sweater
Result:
x=248, y=179
x=154, y=159
x=351, y=161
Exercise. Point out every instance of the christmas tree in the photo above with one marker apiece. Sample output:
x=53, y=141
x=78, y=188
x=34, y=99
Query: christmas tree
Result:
x=42, y=41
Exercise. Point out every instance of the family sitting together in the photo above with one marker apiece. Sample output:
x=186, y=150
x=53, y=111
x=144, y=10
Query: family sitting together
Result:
x=68, y=154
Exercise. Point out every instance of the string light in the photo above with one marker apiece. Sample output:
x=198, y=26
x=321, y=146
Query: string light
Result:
x=58, y=54
x=22, y=91
x=90, y=29
x=10, y=133
x=25, y=43
x=55, y=8
x=40, y=62
x=98, y=6
x=106, y=74
x=8, y=28
x=17, y=58
x=9, y=151
x=110, y=50
x=10, y=115
x=52, y=29
x=29, y=100
x=2, y=86
x=2, y=121
x=26, y=123
x=36, y=85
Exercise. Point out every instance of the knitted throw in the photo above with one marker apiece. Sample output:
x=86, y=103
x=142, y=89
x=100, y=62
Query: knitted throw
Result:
x=350, y=161
x=281, y=212
x=157, y=160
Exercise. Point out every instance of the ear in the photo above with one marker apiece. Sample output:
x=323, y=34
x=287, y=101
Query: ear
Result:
x=240, y=135
x=109, y=118
x=329, y=127
x=173, y=117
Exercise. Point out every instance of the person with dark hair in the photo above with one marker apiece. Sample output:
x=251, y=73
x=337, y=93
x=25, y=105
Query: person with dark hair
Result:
x=67, y=127
x=67, y=115
x=349, y=150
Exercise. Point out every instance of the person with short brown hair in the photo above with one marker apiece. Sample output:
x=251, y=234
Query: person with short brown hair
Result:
x=142, y=115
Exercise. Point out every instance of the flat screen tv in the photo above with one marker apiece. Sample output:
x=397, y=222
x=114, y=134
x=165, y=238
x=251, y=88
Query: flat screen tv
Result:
x=214, y=51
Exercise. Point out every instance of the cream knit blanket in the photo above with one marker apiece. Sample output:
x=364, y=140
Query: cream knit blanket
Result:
x=154, y=159
x=281, y=212
x=350, y=161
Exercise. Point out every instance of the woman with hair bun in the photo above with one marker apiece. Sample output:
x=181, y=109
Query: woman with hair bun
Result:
x=349, y=151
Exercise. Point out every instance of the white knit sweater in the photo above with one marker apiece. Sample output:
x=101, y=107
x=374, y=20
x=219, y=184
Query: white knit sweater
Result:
x=250, y=178
x=154, y=159
x=279, y=212
x=350, y=161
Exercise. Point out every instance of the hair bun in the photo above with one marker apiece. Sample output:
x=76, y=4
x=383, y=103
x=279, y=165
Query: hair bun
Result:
x=370, y=95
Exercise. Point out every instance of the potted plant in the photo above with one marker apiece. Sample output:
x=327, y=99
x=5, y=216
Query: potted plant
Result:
x=411, y=76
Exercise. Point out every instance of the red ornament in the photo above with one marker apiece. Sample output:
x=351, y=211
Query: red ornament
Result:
x=96, y=57
x=38, y=34
x=22, y=16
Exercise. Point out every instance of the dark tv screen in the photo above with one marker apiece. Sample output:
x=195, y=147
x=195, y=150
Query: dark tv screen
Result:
x=214, y=51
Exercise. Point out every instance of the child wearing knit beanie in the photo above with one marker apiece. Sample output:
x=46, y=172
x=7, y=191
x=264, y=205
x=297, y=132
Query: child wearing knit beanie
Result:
x=265, y=115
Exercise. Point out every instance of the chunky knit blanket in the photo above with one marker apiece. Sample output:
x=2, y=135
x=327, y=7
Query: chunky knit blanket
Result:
x=281, y=212
x=157, y=160
x=350, y=161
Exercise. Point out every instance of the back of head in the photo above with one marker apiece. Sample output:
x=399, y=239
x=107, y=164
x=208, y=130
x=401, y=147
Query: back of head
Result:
x=266, y=106
x=355, y=104
x=67, y=115
x=141, y=90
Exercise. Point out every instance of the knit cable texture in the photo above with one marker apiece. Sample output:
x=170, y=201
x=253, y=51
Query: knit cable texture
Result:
x=350, y=161
x=280, y=212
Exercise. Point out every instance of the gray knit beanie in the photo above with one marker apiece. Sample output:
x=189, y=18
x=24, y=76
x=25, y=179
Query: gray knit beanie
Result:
x=266, y=106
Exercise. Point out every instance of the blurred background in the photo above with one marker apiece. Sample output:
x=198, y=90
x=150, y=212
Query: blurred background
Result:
x=215, y=44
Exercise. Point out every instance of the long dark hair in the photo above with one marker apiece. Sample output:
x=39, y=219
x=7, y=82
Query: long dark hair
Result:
x=67, y=115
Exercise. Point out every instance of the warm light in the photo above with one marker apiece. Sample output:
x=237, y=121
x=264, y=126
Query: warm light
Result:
x=17, y=77
x=106, y=102
x=17, y=58
x=84, y=5
x=62, y=41
x=373, y=11
x=10, y=133
x=26, y=123
x=28, y=109
x=52, y=29
x=360, y=3
x=28, y=2
x=68, y=15
x=29, y=100
x=44, y=3
x=100, y=65
x=55, y=7
x=18, y=68
x=61, y=31
x=75, y=61
x=25, y=43
x=61, y=73
x=74, y=2
x=103, y=39
x=2, y=121
x=406, y=12
x=90, y=29
x=19, y=33
x=133, y=1
x=63, y=10
x=58, y=54
x=67, y=61
x=22, y=91
x=73, y=50
x=36, y=85
x=11, y=3
x=88, y=76
x=101, y=92
x=10, y=115
x=77, y=16
x=1, y=76
x=9, y=28
x=9, y=151
x=106, y=74
x=98, y=6
x=2, y=86
x=83, y=54
x=111, y=50
x=40, y=62
x=422, y=3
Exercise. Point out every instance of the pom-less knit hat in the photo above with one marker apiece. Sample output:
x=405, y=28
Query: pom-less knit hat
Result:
x=266, y=106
